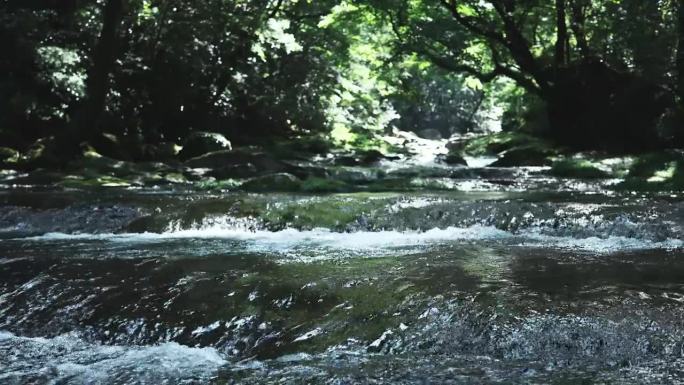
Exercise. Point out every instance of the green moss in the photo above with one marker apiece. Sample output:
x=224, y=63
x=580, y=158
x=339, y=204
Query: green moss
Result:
x=8, y=156
x=335, y=212
x=272, y=182
x=225, y=184
x=493, y=144
x=663, y=171
x=322, y=185
x=101, y=181
x=577, y=168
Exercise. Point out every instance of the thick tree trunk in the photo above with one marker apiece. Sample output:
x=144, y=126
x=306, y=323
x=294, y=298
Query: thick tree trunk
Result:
x=595, y=107
x=86, y=124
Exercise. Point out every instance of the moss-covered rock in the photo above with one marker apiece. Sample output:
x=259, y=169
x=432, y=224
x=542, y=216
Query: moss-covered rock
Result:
x=577, y=168
x=163, y=151
x=453, y=158
x=273, y=182
x=43, y=153
x=322, y=185
x=496, y=143
x=8, y=156
x=302, y=147
x=199, y=143
x=220, y=159
x=524, y=156
x=235, y=171
x=111, y=146
x=77, y=181
x=663, y=171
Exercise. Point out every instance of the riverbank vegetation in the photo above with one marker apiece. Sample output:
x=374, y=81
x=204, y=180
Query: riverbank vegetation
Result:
x=270, y=94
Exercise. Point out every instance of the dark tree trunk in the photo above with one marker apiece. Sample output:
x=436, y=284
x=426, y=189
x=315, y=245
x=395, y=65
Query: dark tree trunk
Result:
x=595, y=107
x=561, y=35
x=577, y=26
x=86, y=124
x=679, y=133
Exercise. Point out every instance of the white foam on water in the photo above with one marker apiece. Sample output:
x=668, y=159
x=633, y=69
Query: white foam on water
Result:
x=292, y=240
x=67, y=359
x=289, y=238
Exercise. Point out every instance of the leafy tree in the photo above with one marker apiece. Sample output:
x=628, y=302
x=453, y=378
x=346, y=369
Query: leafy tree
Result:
x=594, y=94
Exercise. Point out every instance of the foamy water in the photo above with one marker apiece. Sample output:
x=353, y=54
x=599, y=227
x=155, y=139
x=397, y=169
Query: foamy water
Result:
x=68, y=359
x=291, y=240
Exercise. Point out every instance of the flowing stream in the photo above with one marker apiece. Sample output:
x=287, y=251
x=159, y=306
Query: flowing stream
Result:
x=506, y=277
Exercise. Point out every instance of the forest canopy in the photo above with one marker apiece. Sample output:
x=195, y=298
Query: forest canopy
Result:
x=586, y=74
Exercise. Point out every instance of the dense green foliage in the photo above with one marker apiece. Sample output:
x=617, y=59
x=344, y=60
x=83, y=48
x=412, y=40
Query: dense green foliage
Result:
x=147, y=73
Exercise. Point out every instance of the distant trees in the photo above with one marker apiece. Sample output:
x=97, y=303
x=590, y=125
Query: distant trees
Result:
x=589, y=73
x=86, y=124
x=597, y=66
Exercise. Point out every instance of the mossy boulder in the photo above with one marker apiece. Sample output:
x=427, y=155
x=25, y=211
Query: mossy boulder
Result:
x=493, y=144
x=111, y=146
x=199, y=143
x=322, y=185
x=8, y=156
x=524, y=156
x=453, y=159
x=272, y=182
x=43, y=153
x=577, y=168
x=362, y=158
x=302, y=147
x=162, y=151
x=430, y=133
x=220, y=159
x=235, y=171
x=663, y=171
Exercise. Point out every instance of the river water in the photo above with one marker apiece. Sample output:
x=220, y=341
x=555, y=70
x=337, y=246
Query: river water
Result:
x=503, y=277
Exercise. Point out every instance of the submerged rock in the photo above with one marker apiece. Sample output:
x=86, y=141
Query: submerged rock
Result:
x=199, y=143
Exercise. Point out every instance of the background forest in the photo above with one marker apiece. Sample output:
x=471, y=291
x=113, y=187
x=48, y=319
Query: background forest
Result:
x=134, y=78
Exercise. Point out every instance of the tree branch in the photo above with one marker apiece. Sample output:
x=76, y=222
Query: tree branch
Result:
x=469, y=24
x=485, y=77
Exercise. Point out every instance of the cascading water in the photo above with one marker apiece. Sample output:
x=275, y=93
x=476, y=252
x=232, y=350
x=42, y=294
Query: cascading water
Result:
x=555, y=285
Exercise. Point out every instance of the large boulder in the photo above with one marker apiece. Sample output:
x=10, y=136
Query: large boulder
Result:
x=199, y=143
x=112, y=146
x=524, y=156
x=44, y=152
x=262, y=161
x=273, y=182
x=453, y=158
x=430, y=133
x=162, y=151
x=234, y=171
